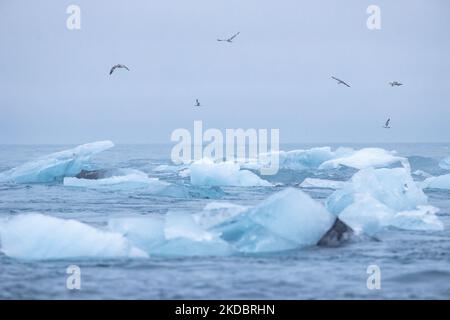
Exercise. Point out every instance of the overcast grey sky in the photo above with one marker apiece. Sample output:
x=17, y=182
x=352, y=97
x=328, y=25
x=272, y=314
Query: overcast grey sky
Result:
x=55, y=87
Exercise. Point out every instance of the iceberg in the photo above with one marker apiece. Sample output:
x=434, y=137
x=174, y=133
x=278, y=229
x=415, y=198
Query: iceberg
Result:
x=378, y=198
x=129, y=180
x=215, y=213
x=56, y=166
x=394, y=188
x=365, y=158
x=175, y=234
x=299, y=159
x=323, y=158
x=423, y=218
x=439, y=182
x=366, y=215
x=313, y=183
x=421, y=173
x=369, y=216
x=286, y=220
x=445, y=163
x=40, y=237
x=207, y=172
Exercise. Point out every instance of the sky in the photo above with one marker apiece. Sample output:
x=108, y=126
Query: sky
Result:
x=55, y=86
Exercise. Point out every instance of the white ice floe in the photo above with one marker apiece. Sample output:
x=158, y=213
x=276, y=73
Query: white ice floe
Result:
x=423, y=218
x=55, y=166
x=366, y=215
x=313, y=183
x=369, y=216
x=393, y=187
x=128, y=179
x=421, y=173
x=445, y=163
x=324, y=158
x=175, y=234
x=298, y=159
x=41, y=237
x=439, y=182
x=378, y=198
x=365, y=158
x=210, y=173
x=215, y=213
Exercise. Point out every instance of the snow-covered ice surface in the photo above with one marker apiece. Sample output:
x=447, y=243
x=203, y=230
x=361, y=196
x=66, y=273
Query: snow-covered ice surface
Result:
x=145, y=231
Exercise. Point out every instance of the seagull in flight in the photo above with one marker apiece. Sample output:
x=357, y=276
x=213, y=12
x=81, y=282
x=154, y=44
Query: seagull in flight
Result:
x=386, y=125
x=395, y=84
x=229, y=39
x=197, y=103
x=118, y=66
x=340, y=81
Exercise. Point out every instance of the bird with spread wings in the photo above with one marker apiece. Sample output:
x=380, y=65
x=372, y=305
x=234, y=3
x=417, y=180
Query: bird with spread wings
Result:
x=118, y=66
x=339, y=81
x=230, y=39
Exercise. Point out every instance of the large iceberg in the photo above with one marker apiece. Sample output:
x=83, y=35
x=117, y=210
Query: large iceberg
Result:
x=286, y=220
x=439, y=182
x=56, y=166
x=36, y=236
x=378, y=198
x=228, y=173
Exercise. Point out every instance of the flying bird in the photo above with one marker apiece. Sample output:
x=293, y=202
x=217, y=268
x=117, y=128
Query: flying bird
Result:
x=197, y=103
x=229, y=39
x=340, y=81
x=118, y=66
x=386, y=125
x=395, y=84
